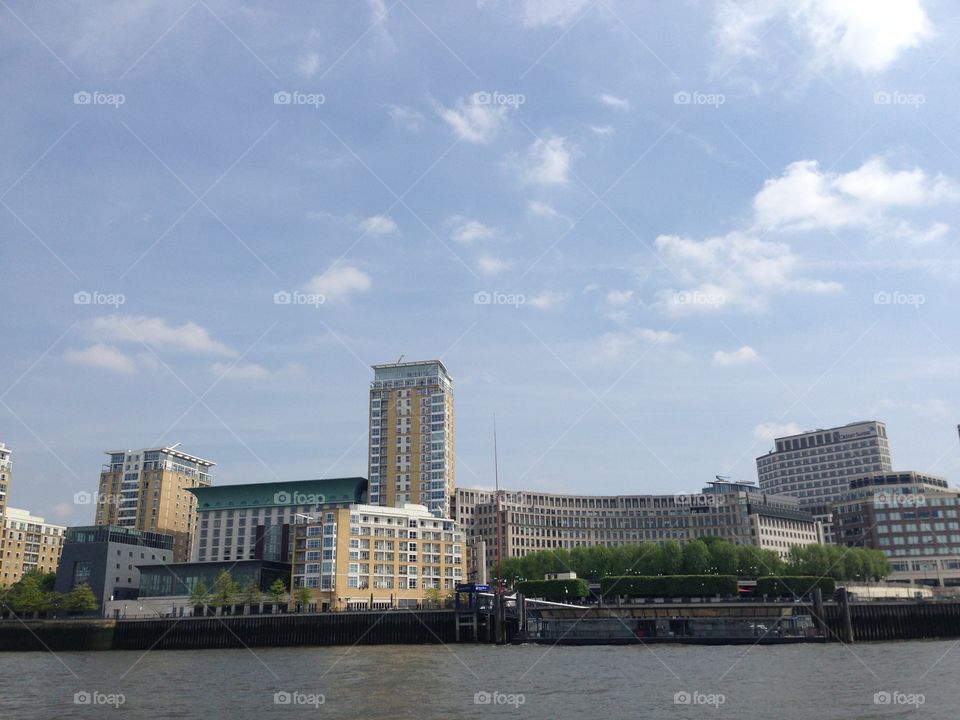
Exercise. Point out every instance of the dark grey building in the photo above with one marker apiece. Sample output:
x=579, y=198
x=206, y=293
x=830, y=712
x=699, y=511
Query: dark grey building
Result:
x=106, y=558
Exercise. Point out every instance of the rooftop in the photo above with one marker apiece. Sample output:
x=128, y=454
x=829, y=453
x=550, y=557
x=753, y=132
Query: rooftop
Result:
x=168, y=450
x=281, y=494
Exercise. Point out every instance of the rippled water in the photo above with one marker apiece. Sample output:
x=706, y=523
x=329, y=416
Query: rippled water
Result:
x=468, y=681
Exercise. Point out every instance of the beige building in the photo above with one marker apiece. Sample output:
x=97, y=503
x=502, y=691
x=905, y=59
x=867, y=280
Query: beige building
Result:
x=533, y=521
x=6, y=470
x=411, y=436
x=28, y=543
x=149, y=490
x=372, y=557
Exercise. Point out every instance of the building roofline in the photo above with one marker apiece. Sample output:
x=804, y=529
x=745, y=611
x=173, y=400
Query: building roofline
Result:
x=411, y=364
x=169, y=450
x=837, y=427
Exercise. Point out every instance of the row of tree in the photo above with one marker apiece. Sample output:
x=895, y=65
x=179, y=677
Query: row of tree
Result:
x=226, y=591
x=34, y=593
x=705, y=556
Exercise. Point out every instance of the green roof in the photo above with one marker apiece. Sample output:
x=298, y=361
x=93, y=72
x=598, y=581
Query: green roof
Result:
x=281, y=494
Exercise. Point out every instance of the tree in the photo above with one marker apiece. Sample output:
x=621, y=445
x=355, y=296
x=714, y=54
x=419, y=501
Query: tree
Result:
x=81, y=598
x=671, y=558
x=199, y=596
x=277, y=590
x=225, y=590
x=723, y=557
x=251, y=593
x=303, y=596
x=29, y=595
x=696, y=558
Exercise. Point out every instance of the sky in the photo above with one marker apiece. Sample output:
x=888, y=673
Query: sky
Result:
x=648, y=237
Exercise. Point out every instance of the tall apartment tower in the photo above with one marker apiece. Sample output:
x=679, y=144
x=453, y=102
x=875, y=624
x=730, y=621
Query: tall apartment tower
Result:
x=149, y=490
x=817, y=466
x=6, y=470
x=411, y=436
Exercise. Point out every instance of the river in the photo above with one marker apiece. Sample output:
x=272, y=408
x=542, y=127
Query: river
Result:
x=882, y=680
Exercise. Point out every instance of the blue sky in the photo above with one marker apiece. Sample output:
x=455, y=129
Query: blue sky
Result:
x=648, y=236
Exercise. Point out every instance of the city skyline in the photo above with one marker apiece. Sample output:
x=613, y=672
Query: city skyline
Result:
x=621, y=253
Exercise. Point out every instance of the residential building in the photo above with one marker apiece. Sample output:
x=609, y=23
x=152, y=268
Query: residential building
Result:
x=149, y=490
x=912, y=517
x=411, y=436
x=252, y=522
x=374, y=557
x=6, y=472
x=535, y=521
x=817, y=466
x=28, y=543
x=108, y=558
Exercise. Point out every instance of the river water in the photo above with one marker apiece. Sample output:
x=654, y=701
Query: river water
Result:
x=813, y=682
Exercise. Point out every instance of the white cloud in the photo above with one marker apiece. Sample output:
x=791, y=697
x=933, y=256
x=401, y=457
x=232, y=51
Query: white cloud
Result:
x=604, y=131
x=338, y=282
x=616, y=344
x=771, y=430
x=547, y=161
x=242, y=371
x=541, y=209
x=539, y=13
x=868, y=36
x=156, y=332
x=406, y=117
x=619, y=297
x=103, y=357
x=547, y=299
x=613, y=101
x=733, y=270
x=742, y=356
x=378, y=23
x=378, y=225
x=308, y=64
x=489, y=265
x=805, y=197
x=467, y=231
x=474, y=121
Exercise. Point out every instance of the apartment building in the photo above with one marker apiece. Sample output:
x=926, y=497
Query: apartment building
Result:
x=411, y=436
x=28, y=543
x=149, y=490
x=375, y=557
x=6, y=471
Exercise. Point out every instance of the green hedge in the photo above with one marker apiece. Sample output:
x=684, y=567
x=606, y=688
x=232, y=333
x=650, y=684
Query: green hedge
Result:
x=554, y=589
x=669, y=586
x=790, y=585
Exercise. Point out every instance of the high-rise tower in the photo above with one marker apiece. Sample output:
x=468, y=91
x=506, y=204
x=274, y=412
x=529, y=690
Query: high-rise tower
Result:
x=411, y=436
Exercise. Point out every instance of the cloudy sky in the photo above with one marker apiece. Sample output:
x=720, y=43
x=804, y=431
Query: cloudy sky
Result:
x=648, y=236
